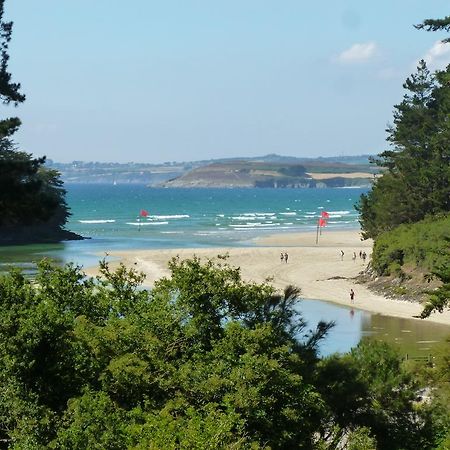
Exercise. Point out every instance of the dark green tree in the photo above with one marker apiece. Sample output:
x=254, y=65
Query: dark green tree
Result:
x=416, y=181
x=204, y=360
x=32, y=198
x=436, y=25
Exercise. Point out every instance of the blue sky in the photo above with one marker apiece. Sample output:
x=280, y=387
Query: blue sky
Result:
x=155, y=81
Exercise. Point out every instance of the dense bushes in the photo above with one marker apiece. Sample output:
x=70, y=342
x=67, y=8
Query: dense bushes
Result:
x=204, y=360
x=423, y=245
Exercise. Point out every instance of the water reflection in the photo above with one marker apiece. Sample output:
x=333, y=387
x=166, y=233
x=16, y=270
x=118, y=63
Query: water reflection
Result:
x=415, y=337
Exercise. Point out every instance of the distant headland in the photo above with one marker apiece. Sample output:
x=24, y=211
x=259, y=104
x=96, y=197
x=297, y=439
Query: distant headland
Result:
x=269, y=171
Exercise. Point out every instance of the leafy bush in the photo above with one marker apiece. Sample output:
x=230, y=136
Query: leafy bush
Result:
x=204, y=360
x=422, y=245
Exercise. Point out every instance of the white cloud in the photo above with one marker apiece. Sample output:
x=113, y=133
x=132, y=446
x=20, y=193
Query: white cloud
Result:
x=358, y=53
x=438, y=56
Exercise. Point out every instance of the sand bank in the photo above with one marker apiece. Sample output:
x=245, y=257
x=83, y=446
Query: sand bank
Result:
x=317, y=269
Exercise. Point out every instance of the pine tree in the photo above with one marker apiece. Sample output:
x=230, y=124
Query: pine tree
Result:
x=32, y=204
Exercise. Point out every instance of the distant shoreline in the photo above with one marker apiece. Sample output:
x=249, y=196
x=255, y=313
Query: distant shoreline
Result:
x=316, y=269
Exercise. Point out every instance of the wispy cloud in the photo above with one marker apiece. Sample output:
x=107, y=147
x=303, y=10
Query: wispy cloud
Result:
x=358, y=53
x=438, y=56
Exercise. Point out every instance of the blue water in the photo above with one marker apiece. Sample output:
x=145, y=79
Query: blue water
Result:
x=203, y=217
x=179, y=218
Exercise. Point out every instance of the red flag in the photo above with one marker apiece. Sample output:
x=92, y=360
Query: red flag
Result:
x=325, y=215
x=322, y=222
x=143, y=213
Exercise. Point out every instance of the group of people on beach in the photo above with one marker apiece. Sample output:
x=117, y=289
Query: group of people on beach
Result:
x=284, y=257
x=362, y=255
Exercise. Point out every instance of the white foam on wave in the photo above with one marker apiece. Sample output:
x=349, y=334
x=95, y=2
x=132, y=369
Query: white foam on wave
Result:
x=288, y=214
x=205, y=233
x=254, y=225
x=173, y=216
x=339, y=212
x=243, y=217
x=146, y=223
x=97, y=221
x=265, y=229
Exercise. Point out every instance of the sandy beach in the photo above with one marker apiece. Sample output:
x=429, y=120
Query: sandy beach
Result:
x=317, y=269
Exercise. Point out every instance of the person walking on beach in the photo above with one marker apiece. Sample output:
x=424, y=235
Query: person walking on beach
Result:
x=354, y=257
x=364, y=256
x=286, y=256
x=282, y=257
x=352, y=296
x=342, y=255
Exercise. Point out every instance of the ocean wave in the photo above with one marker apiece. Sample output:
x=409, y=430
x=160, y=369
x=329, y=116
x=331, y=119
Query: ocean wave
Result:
x=339, y=212
x=146, y=223
x=288, y=214
x=261, y=229
x=257, y=224
x=97, y=221
x=173, y=216
x=244, y=217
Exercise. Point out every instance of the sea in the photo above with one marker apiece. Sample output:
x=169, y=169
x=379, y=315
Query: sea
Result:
x=204, y=217
x=126, y=217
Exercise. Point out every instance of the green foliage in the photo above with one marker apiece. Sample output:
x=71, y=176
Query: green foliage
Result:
x=204, y=360
x=32, y=202
x=439, y=299
x=423, y=246
x=416, y=182
x=436, y=25
x=369, y=387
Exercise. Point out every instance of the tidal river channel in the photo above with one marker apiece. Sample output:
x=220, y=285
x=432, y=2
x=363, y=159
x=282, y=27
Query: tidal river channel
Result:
x=413, y=337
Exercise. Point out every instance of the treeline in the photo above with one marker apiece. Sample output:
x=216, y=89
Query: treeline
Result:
x=32, y=198
x=416, y=181
x=203, y=361
x=415, y=186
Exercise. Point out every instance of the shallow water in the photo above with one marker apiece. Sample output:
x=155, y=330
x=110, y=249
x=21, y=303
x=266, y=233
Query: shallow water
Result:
x=413, y=337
